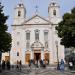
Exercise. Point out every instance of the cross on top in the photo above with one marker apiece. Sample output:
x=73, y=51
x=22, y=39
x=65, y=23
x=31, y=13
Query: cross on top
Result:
x=36, y=7
x=54, y=1
x=21, y=1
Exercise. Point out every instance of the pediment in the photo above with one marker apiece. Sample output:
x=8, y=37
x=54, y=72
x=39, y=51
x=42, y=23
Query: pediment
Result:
x=37, y=44
x=37, y=20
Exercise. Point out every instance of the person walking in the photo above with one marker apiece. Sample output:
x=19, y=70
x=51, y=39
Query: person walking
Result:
x=17, y=65
x=62, y=65
x=3, y=65
x=8, y=64
x=20, y=65
x=70, y=65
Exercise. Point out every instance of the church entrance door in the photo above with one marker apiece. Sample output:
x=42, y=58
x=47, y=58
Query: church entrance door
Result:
x=27, y=58
x=37, y=56
x=7, y=58
x=46, y=56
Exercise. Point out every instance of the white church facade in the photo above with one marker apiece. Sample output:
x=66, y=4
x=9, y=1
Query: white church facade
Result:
x=36, y=38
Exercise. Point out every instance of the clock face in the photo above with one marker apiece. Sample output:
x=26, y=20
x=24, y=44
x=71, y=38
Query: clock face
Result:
x=37, y=20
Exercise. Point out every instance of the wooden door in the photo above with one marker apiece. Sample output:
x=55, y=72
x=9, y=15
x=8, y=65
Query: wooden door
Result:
x=34, y=56
x=27, y=58
x=46, y=56
x=37, y=56
x=7, y=58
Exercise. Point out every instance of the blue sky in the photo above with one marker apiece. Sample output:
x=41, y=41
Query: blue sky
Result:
x=9, y=5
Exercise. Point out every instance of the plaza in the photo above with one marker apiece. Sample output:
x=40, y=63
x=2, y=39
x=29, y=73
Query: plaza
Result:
x=37, y=71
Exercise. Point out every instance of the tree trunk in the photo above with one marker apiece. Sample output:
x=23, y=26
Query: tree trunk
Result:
x=0, y=56
x=0, y=60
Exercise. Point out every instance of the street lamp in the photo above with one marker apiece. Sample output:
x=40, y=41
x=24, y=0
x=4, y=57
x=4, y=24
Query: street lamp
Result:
x=58, y=67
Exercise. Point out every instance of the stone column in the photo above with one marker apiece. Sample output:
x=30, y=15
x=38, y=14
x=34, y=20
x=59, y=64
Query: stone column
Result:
x=32, y=53
x=51, y=58
x=42, y=53
x=23, y=56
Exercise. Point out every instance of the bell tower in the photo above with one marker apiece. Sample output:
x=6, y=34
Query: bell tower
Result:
x=54, y=11
x=19, y=13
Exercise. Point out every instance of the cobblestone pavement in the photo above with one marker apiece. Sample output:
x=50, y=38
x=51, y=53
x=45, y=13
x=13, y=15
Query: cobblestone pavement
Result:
x=36, y=71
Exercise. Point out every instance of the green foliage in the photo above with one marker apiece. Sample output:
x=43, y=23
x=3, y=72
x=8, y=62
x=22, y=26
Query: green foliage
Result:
x=66, y=29
x=5, y=37
x=70, y=57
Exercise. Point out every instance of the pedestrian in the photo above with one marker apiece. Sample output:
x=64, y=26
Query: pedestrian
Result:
x=39, y=64
x=17, y=65
x=73, y=62
x=20, y=65
x=62, y=65
x=3, y=65
x=44, y=64
x=70, y=65
x=29, y=63
x=36, y=63
x=8, y=64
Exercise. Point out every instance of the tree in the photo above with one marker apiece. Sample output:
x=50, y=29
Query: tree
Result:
x=66, y=29
x=5, y=37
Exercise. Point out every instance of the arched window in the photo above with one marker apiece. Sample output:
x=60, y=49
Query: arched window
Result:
x=19, y=13
x=54, y=12
x=46, y=35
x=27, y=35
x=27, y=39
x=46, y=38
x=36, y=34
x=17, y=53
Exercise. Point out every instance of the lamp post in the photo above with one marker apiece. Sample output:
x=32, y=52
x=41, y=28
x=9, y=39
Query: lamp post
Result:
x=58, y=67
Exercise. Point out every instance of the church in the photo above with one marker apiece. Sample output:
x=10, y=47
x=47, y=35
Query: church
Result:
x=35, y=38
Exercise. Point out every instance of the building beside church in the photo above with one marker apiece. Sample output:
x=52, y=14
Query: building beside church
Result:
x=36, y=38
